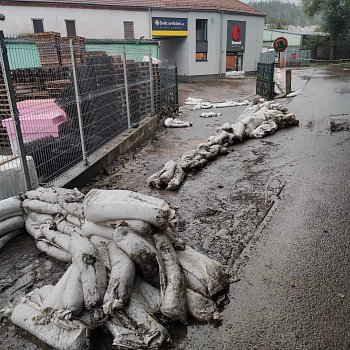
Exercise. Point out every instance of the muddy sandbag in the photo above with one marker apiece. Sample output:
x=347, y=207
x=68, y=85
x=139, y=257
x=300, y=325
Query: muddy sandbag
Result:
x=177, y=180
x=210, y=272
x=139, y=226
x=62, y=335
x=238, y=131
x=155, y=335
x=106, y=205
x=67, y=227
x=42, y=207
x=201, y=308
x=173, y=296
x=40, y=218
x=263, y=130
x=176, y=123
x=74, y=209
x=125, y=338
x=53, y=251
x=66, y=298
x=121, y=279
x=192, y=282
x=54, y=194
x=10, y=207
x=9, y=237
x=33, y=228
x=251, y=122
x=162, y=177
x=74, y=220
x=149, y=292
x=101, y=246
x=55, y=237
x=143, y=253
x=11, y=224
x=92, y=270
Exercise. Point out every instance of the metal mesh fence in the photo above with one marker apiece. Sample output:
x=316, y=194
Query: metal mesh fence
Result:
x=68, y=102
x=288, y=58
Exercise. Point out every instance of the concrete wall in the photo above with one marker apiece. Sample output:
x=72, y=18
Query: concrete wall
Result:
x=90, y=23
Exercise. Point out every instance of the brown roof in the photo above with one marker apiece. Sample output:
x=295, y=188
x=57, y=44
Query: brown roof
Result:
x=216, y=5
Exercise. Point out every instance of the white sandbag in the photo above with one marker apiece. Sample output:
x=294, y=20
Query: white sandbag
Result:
x=74, y=220
x=210, y=114
x=66, y=227
x=102, y=205
x=9, y=237
x=92, y=270
x=53, y=251
x=66, y=298
x=74, y=209
x=192, y=282
x=251, y=122
x=238, y=131
x=54, y=195
x=211, y=273
x=155, y=335
x=173, y=296
x=139, y=226
x=143, y=253
x=227, y=127
x=11, y=224
x=248, y=111
x=10, y=207
x=125, y=338
x=121, y=279
x=161, y=178
x=42, y=207
x=295, y=93
x=101, y=246
x=177, y=180
x=33, y=228
x=57, y=238
x=176, y=123
x=40, y=218
x=201, y=308
x=268, y=128
x=150, y=293
x=91, y=229
x=64, y=335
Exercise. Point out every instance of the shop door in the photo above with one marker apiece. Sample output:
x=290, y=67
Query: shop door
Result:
x=234, y=61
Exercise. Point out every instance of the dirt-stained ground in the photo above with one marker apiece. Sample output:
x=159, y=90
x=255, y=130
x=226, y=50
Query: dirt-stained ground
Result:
x=220, y=207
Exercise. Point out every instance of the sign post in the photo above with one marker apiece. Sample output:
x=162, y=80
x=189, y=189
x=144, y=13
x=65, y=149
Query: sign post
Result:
x=280, y=44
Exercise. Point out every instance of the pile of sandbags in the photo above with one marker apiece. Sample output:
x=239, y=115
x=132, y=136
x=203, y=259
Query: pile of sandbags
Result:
x=257, y=121
x=127, y=271
x=11, y=220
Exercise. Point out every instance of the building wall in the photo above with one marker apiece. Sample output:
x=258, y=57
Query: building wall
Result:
x=90, y=23
x=270, y=35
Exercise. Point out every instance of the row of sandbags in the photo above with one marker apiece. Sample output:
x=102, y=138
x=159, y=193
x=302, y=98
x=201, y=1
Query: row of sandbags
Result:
x=199, y=103
x=11, y=220
x=257, y=121
x=127, y=268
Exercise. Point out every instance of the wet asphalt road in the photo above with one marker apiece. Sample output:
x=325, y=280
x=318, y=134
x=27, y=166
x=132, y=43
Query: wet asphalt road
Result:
x=292, y=257
x=294, y=288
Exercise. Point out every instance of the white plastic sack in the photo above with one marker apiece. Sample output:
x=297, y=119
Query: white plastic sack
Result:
x=11, y=224
x=176, y=123
x=42, y=207
x=67, y=228
x=33, y=228
x=211, y=273
x=40, y=218
x=10, y=207
x=121, y=279
x=56, y=335
x=57, y=238
x=102, y=205
x=53, y=251
x=139, y=226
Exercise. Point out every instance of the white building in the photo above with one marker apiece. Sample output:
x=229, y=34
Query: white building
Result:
x=203, y=38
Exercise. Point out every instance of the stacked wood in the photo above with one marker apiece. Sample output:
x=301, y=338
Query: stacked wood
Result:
x=78, y=46
x=4, y=113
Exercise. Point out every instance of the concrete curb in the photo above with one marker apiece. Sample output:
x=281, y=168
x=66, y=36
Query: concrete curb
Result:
x=80, y=174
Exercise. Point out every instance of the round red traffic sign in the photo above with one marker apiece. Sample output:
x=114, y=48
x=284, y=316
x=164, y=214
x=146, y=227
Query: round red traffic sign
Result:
x=280, y=44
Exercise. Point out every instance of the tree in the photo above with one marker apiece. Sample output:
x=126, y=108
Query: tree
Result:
x=335, y=19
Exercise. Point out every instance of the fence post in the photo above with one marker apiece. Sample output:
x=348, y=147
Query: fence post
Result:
x=176, y=86
x=151, y=80
x=6, y=72
x=77, y=100
x=126, y=89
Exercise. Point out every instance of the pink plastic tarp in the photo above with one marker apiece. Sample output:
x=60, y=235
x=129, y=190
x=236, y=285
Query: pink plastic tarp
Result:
x=39, y=119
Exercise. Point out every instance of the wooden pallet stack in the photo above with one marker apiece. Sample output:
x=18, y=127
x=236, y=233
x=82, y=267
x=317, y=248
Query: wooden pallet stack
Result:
x=156, y=86
x=5, y=147
x=78, y=46
x=48, y=44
